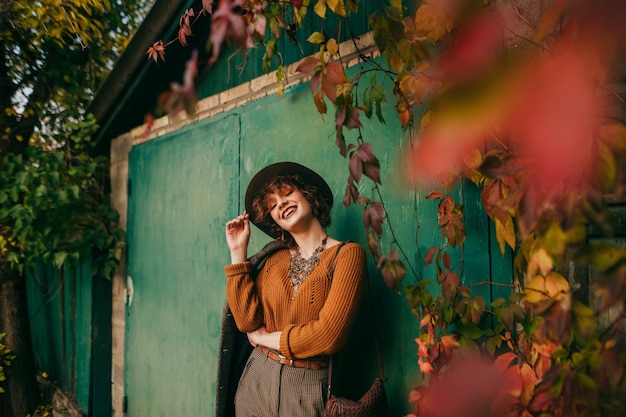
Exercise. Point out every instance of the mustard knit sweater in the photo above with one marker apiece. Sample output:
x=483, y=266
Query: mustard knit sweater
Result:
x=318, y=321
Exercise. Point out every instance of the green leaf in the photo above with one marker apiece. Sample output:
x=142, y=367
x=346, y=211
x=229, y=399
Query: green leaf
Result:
x=560, y=353
x=498, y=302
x=470, y=330
x=59, y=259
x=493, y=343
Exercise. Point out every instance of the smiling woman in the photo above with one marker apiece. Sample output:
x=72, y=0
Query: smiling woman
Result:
x=294, y=318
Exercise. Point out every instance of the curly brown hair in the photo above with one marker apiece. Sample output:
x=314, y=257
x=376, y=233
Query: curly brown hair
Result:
x=282, y=184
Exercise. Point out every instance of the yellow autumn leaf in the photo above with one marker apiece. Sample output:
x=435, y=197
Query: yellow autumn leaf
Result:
x=316, y=38
x=431, y=23
x=556, y=285
x=397, y=63
x=535, y=290
x=332, y=47
x=540, y=288
x=337, y=6
x=397, y=4
x=505, y=233
x=540, y=262
x=320, y=8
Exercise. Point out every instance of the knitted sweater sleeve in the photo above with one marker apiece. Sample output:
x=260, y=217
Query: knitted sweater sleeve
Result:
x=329, y=333
x=242, y=297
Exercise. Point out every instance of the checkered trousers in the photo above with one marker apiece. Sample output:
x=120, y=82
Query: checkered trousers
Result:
x=269, y=389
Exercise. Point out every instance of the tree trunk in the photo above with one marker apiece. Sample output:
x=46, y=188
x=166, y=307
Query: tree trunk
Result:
x=21, y=396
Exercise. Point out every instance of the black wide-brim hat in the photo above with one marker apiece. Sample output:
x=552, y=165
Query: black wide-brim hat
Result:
x=272, y=171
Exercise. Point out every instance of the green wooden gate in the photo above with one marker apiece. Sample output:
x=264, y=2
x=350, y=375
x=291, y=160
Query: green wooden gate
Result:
x=181, y=190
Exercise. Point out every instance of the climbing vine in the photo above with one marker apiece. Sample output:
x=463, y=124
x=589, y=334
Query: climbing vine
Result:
x=515, y=104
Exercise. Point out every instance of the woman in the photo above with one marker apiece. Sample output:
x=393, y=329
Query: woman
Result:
x=295, y=312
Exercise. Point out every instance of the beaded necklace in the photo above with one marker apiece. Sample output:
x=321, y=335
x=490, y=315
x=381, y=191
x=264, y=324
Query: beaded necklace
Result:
x=300, y=268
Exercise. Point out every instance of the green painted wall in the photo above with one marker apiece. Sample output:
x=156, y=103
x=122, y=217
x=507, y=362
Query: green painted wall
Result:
x=234, y=68
x=63, y=322
x=187, y=184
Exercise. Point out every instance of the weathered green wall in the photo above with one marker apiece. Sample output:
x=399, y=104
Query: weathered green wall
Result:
x=186, y=185
x=70, y=327
x=234, y=68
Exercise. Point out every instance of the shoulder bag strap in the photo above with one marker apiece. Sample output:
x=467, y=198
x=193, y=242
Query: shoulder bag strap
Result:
x=331, y=270
x=331, y=267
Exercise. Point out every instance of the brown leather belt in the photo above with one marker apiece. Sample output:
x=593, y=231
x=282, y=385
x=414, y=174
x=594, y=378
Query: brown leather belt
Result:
x=296, y=363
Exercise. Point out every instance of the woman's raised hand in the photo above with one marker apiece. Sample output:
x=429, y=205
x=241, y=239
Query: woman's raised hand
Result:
x=237, y=238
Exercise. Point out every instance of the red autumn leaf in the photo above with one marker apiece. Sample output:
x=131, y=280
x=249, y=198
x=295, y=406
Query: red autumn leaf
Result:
x=446, y=260
x=148, y=122
x=422, y=346
x=226, y=23
x=553, y=119
x=449, y=285
x=257, y=23
x=185, y=26
x=447, y=345
x=308, y=64
x=156, y=51
x=353, y=121
x=476, y=309
x=529, y=380
x=351, y=193
x=492, y=199
x=318, y=99
x=426, y=367
x=475, y=48
x=429, y=157
x=541, y=401
x=416, y=395
x=296, y=3
x=463, y=392
x=404, y=112
x=445, y=211
x=333, y=76
x=435, y=195
x=392, y=269
x=505, y=405
x=340, y=117
x=315, y=82
x=372, y=243
x=363, y=161
x=373, y=217
x=334, y=73
x=503, y=361
x=430, y=254
x=512, y=381
x=182, y=97
x=340, y=141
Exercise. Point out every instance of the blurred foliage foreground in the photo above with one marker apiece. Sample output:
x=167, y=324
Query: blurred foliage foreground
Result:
x=515, y=97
